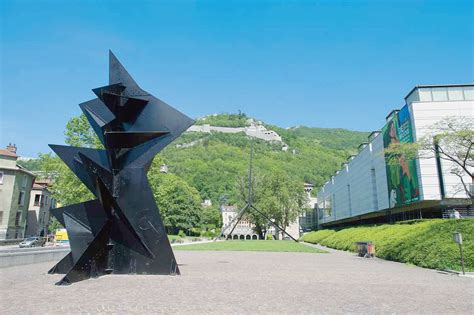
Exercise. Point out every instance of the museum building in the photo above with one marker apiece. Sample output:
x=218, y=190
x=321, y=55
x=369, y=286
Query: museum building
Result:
x=369, y=189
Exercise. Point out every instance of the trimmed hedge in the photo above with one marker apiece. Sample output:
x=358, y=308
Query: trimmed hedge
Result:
x=425, y=243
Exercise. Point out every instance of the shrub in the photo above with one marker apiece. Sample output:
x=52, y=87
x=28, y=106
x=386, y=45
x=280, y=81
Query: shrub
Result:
x=425, y=243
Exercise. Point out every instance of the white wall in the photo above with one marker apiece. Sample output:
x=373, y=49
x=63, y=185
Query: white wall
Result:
x=427, y=106
x=356, y=176
x=425, y=115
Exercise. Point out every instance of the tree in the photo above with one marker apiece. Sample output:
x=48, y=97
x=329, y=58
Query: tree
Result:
x=67, y=188
x=283, y=197
x=54, y=225
x=450, y=139
x=79, y=133
x=179, y=203
x=211, y=216
x=277, y=195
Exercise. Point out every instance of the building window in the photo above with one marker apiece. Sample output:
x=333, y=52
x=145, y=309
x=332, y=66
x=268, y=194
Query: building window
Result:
x=37, y=199
x=349, y=198
x=25, y=179
x=1, y=178
x=21, y=198
x=375, y=202
x=1, y=217
x=46, y=200
x=334, y=205
x=18, y=218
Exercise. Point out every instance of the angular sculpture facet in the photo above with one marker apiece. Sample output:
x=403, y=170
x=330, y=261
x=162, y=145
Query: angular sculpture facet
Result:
x=120, y=232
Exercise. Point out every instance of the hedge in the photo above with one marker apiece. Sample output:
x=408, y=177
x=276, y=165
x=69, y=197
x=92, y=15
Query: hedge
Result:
x=425, y=243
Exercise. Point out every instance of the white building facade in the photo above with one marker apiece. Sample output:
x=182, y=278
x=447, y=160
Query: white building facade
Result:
x=244, y=230
x=368, y=188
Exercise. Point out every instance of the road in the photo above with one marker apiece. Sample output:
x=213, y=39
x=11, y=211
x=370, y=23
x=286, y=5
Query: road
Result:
x=246, y=282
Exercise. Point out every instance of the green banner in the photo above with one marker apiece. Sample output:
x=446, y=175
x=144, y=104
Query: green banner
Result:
x=402, y=177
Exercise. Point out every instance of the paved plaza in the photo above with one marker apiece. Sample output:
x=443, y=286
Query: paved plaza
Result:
x=245, y=282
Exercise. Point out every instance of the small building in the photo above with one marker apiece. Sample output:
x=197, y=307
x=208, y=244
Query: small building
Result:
x=164, y=168
x=41, y=203
x=244, y=229
x=15, y=190
x=308, y=220
x=206, y=203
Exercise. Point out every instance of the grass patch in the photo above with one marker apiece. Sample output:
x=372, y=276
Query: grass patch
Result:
x=424, y=243
x=252, y=246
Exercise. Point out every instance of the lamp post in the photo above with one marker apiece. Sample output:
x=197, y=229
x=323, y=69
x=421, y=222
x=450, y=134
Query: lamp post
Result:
x=457, y=237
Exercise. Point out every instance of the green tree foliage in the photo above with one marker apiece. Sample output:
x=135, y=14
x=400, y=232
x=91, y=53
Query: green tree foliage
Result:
x=67, y=188
x=31, y=165
x=54, y=225
x=283, y=197
x=277, y=195
x=215, y=164
x=179, y=203
x=78, y=133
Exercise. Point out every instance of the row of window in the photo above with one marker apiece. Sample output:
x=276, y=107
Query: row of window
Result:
x=23, y=183
x=18, y=218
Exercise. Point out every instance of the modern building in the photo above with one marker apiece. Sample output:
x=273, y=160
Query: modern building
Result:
x=15, y=187
x=41, y=203
x=368, y=189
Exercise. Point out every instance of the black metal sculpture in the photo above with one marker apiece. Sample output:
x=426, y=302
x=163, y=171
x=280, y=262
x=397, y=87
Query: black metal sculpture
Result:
x=120, y=232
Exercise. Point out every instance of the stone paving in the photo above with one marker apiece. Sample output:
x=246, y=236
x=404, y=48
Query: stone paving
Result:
x=245, y=282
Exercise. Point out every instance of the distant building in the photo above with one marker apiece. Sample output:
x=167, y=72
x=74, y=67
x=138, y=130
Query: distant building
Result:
x=367, y=189
x=164, y=168
x=15, y=190
x=41, y=203
x=206, y=203
x=255, y=130
x=244, y=229
x=309, y=219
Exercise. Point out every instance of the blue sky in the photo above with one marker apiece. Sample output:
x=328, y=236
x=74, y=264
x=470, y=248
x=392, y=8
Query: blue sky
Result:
x=316, y=63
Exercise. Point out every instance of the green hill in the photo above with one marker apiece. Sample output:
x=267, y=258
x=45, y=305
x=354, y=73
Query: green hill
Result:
x=211, y=165
x=214, y=162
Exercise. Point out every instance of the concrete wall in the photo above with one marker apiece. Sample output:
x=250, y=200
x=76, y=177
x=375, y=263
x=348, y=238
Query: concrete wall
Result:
x=31, y=256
